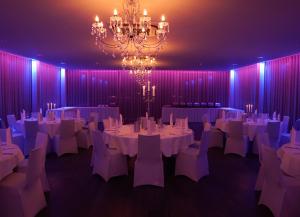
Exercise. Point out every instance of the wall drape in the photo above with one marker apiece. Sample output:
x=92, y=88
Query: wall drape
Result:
x=48, y=85
x=18, y=89
x=94, y=87
x=282, y=86
x=245, y=86
x=15, y=84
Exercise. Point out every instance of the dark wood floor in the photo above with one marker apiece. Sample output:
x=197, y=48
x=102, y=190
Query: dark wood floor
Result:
x=226, y=192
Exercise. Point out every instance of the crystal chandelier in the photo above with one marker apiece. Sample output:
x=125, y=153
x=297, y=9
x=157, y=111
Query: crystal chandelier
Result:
x=133, y=33
x=140, y=67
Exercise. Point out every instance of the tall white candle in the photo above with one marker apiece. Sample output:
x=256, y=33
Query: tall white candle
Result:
x=148, y=86
x=54, y=105
x=47, y=106
x=153, y=90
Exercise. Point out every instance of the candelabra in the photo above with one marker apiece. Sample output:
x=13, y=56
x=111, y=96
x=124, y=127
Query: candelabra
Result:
x=148, y=95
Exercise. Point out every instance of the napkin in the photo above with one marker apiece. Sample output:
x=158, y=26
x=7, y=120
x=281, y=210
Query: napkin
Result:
x=278, y=117
x=171, y=119
x=274, y=116
x=121, y=120
x=255, y=112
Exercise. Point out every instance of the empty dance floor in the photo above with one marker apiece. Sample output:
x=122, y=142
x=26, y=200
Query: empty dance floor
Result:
x=227, y=192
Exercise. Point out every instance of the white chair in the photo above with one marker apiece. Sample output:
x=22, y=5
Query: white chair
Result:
x=274, y=130
x=31, y=130
x=262, y=139
x=149, y=165
x=92, y=127
x=82, y=137
x=285, y=135
x=40, y=142
x=21, y=194
x=65, y=142
x=216, y=138
x=107, y=163
x=193, y=162
x=280, y=193
x=12, y=123
x=16, y=132
x=236, y=142
x=285, y=124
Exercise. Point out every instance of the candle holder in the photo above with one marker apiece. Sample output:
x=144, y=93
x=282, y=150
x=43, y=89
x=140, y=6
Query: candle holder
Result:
x=149, y=95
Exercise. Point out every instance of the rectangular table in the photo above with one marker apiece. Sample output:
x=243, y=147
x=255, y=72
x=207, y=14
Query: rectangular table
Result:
x=102, y=111
x=195, y=114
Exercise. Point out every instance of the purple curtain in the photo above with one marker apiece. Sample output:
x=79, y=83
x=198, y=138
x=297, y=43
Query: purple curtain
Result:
x=48, y=85
x=246, y=87
x=94, y=87
x=15, y=84
x=282, y=86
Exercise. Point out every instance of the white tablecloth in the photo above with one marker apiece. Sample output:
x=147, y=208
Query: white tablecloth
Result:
x=172, y=140
x=290, y=159
x=250, y=128
x=194, y=114
x=52, y=127
x=102, y=111
x=9, y=159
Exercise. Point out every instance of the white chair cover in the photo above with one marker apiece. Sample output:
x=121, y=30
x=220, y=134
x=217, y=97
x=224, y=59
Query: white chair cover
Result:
x=107, y=163
x=274, y=132
x=149, y=166
x=21, y=194
x=273, y=191
x=31, y=130
x=65, y=142
x=236, y=142
x=192, y=162
x=285, y=124
x=40, y=142
x=262, y=140
x=12, y=123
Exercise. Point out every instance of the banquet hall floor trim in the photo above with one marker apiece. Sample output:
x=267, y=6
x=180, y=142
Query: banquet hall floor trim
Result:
x=227, y=192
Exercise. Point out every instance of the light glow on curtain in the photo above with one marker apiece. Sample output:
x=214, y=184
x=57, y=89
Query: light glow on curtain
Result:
x=94, y=87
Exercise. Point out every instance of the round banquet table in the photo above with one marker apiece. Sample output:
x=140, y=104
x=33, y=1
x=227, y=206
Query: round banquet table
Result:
x=10, y=157
x=250, y=128
x=290, y=159
x=52, y=127
x=172, y=139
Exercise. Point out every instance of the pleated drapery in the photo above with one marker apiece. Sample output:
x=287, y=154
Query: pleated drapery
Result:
x=94, y=87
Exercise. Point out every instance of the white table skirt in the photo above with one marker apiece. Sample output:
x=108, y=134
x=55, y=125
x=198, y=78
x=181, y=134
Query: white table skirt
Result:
x=290, y=159
x=102, y=111
x=251, y=129
x=172, y=140
x=195, y=114
x=11, y=156
x=52, y=127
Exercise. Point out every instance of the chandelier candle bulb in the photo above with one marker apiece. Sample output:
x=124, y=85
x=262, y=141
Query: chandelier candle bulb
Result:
x=115, y=12
x=163, y=18
x=145, y=12
x=97, y=19
x=148, y=86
